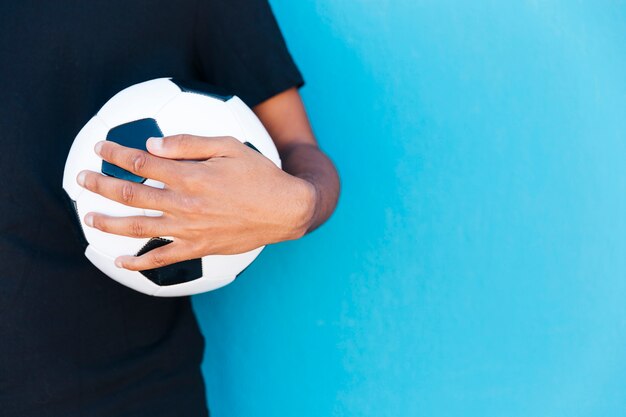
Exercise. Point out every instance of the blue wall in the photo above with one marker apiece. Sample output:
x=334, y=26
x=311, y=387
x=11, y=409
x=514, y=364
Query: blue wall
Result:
x=476, y=265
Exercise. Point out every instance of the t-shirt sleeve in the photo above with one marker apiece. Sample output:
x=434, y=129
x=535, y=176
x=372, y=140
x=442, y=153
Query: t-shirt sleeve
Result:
x=240, y=48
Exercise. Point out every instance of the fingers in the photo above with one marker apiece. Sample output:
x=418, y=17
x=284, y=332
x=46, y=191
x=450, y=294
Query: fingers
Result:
x=133, y=226
x=138, y=162
x=192, y=147
x=156, y=258
x=125, y=192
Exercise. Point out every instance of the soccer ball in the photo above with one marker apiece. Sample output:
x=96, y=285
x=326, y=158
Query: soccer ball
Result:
x=157, y=108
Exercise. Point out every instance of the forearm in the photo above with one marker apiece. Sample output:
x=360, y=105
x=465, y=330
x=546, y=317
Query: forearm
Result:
x=308, y=162
x=286, y=120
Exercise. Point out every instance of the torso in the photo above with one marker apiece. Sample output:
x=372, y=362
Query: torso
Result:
x=69, y=335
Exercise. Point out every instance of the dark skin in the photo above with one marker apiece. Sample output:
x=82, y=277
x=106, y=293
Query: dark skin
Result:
x=221, y=197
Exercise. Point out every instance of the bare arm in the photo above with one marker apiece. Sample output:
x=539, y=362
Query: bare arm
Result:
x=286, y=120
x=213, y=205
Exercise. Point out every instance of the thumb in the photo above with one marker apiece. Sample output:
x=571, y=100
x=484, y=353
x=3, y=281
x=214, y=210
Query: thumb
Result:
x=190, y=147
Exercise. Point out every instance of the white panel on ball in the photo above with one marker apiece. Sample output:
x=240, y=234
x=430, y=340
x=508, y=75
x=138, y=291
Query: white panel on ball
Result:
x=131, y=279
x=140, y=101
x=194, y=287
x=199, y=115
x=253, y=129
x=82, y=155
x=222, y=265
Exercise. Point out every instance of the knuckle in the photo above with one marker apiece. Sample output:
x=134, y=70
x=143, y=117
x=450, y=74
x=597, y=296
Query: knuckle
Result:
x=179, y=140
x=231, y=141
x=190, y=205
x=184, y=138
x=127, y=193
x=136, y=229
x=138, y=161
x=185, y=142
x=194, y=178
x=158, y=260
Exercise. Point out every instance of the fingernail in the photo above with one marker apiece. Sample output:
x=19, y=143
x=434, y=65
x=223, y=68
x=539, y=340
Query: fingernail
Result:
x=118, y=263
x=89, y=219
x=80, y=179
x=98, y=147
x=155, y=143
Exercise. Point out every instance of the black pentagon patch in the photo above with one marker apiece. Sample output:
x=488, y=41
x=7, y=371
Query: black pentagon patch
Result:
x=78, y=231
x=251, y=146
x=132, y=135
x=177, y=273
x=197, y=87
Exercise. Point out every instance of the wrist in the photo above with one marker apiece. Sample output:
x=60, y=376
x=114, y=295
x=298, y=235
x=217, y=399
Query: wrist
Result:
x=305, y=209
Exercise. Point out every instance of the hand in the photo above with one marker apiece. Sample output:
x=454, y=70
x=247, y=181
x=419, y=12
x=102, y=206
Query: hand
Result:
x=220, y=197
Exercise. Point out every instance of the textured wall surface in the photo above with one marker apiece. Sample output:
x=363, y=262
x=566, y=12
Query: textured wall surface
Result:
x=476, y=265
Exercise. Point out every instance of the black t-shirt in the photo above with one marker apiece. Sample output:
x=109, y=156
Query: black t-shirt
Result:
x=72, y=341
